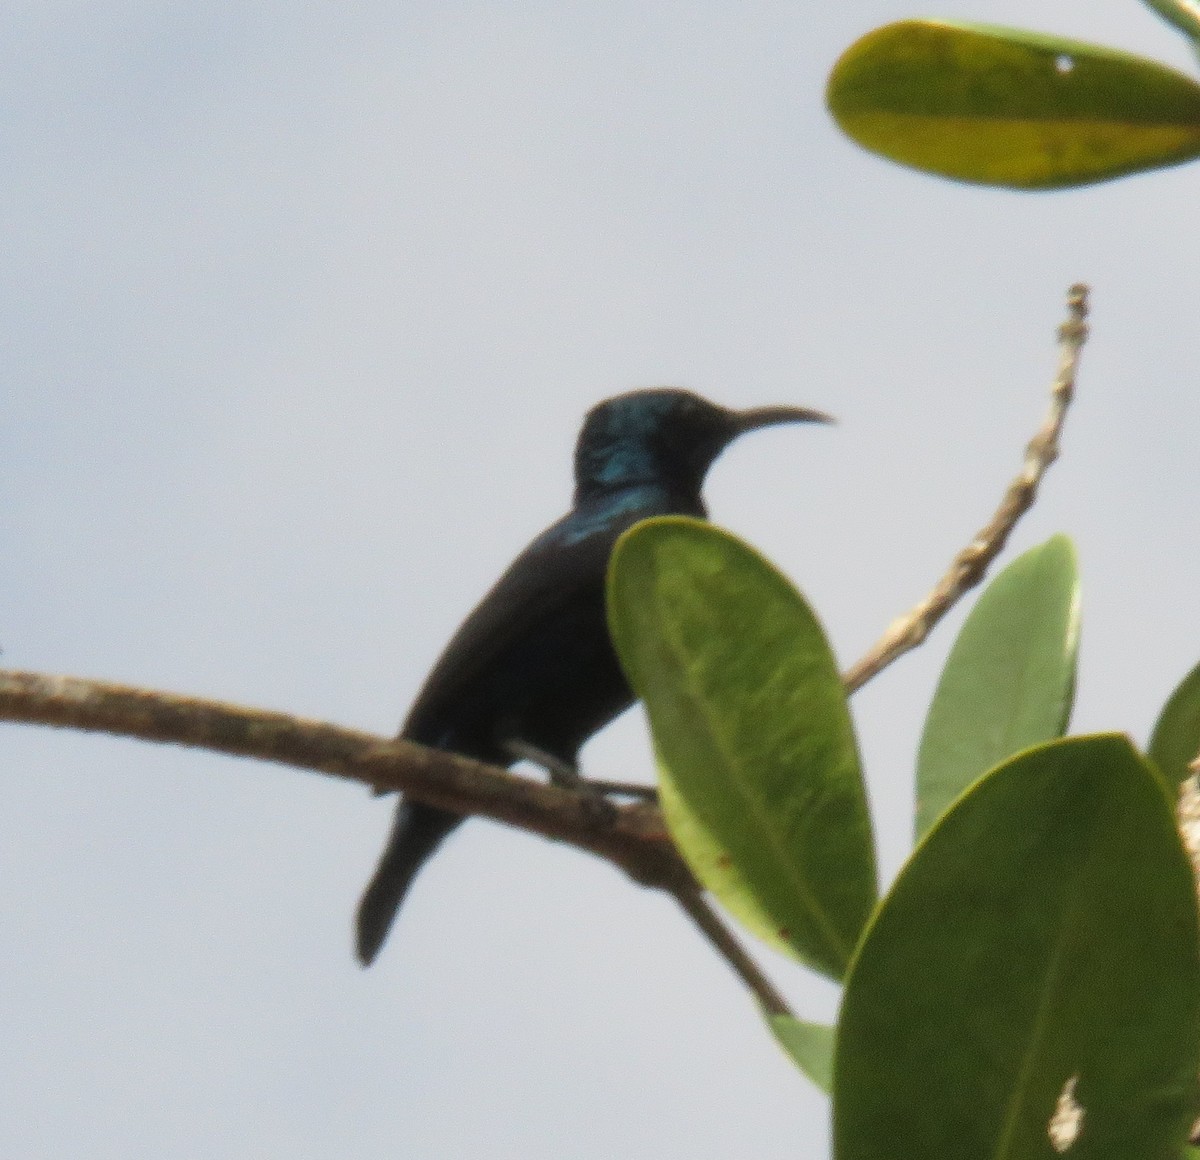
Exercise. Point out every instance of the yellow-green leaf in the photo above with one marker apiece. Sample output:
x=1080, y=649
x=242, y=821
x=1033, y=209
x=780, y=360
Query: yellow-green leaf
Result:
x=1004, y=107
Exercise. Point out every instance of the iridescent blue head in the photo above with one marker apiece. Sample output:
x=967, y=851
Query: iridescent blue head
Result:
x=664, y=436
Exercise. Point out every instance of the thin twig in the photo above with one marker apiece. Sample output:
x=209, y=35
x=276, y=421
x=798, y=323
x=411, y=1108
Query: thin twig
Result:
x=970, y=565
x=721, y=938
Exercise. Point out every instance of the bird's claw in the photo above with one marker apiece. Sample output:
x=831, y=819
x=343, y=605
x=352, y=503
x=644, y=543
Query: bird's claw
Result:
x=561, y=773
x=566, y=776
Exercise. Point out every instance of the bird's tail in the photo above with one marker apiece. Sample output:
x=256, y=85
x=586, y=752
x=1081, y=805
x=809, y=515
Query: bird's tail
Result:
x=417, y=831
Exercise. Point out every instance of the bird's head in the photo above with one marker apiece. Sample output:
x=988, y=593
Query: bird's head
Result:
x=665, y=435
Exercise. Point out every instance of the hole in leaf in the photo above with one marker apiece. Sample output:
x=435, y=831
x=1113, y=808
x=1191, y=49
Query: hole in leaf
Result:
x=1067, y=1121
x=1064, y=64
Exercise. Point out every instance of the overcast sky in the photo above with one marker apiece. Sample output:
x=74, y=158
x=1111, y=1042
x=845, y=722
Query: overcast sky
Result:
x=300, y=307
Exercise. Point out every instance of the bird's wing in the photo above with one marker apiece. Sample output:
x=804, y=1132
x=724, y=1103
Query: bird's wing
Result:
x=560, y=569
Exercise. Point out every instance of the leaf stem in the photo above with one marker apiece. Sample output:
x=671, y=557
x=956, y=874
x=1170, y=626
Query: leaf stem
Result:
x=1182, y=15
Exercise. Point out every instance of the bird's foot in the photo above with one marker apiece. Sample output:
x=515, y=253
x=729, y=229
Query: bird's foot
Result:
x=566, y=776
x=562, y=773
x=629, y=789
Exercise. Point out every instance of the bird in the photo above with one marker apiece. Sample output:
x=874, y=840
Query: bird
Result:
x=532, y=668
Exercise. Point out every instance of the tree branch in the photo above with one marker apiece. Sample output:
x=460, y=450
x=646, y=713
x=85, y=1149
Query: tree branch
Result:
x=633, y=837
x=721, y=938
x=971, y=564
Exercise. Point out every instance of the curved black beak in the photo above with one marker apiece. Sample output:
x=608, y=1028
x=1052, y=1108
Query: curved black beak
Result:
x=756, y=417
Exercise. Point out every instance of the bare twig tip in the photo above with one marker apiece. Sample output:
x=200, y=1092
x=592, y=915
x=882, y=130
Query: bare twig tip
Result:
x=971, y=564
x=1074, y=330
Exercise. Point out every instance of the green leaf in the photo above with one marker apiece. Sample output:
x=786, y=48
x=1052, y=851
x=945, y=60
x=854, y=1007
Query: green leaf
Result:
x=1005, y=107
x=1044, y=932
x=1175, y=742
x=1009, y=680
x=810, y=1046
x=1181, y=15
x=760, y=779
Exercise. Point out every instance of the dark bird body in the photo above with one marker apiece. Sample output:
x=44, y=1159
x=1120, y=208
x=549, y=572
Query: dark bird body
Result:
x=533, y=663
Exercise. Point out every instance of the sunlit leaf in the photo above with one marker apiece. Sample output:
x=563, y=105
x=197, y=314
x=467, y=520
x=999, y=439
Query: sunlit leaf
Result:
x=1038, y=954
x=760, y=780
x=1009, y=680
x=1006, y=107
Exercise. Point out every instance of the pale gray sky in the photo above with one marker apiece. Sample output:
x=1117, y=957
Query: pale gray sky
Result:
x=301, y=306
